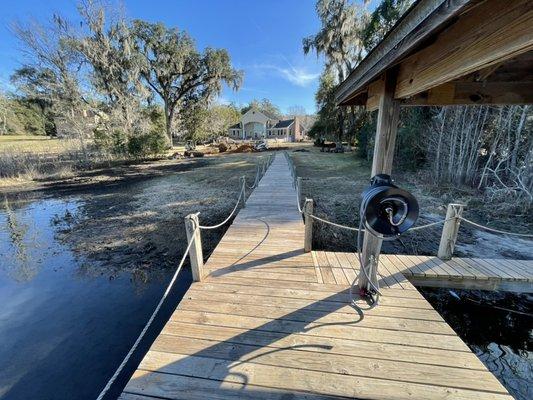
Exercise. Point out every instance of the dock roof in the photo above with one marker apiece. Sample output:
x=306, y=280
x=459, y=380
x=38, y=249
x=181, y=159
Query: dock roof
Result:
x=445, y=52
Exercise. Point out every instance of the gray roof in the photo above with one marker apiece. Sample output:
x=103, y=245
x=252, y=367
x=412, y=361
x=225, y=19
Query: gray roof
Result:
x=236, y=126
x=284, y=123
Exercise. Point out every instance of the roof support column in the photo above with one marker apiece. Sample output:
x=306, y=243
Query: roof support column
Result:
x=386, y=129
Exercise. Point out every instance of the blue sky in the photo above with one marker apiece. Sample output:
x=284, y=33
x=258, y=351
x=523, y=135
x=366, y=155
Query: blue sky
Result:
x=264, y=38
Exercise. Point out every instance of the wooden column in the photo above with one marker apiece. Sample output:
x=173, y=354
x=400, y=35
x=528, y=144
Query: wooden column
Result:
x=308, y=238
x=449, y=231
x=386, y=129
x=195, y=253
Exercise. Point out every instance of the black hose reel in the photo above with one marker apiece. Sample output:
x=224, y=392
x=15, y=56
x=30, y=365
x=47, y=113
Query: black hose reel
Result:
x=387, y=210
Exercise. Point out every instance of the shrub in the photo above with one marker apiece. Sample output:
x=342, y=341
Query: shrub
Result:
x=115, y=141
x=152, y=143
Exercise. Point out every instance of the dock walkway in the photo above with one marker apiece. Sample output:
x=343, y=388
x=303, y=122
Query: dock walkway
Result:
x=398, y=270
x=265, y=325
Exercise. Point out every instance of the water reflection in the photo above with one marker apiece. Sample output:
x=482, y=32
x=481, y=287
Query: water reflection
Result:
x=65, y=324
x=498, y=327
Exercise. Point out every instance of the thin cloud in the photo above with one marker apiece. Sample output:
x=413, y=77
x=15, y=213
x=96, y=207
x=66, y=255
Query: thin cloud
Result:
x=297, y=76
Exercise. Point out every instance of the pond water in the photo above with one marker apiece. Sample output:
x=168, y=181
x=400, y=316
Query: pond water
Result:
x=498, y=327
x=65, y=324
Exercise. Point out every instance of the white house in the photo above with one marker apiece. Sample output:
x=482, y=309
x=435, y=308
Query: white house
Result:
x=255, y=124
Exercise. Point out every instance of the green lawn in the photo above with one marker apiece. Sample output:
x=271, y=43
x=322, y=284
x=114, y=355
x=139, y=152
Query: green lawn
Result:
x=35, y=144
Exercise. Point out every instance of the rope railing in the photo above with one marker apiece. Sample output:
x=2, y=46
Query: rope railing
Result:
x=526, y=235
x=260, y=172
x=241, y=192
x=297, y=182
x=148, y=324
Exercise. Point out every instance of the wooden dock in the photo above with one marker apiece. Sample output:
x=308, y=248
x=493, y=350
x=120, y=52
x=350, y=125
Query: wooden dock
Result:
x=273, y=322
x=397, y=271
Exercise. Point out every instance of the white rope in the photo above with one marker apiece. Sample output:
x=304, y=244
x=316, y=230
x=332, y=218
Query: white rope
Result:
x=416, y=228
x=255, y=179
x=231, y=214
x=349, y=228
x=495, y=230
x=149, y=323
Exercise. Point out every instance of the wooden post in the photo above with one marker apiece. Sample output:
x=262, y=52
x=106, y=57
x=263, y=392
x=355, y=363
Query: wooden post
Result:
x=195, y=253
x=449, y=231
x=308, y=210
x=386, y=129
x=243, y=191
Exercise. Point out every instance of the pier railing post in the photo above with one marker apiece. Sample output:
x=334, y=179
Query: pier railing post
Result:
x=243, y=191
x=308, y=238
x=195, y=253
x=449, y=231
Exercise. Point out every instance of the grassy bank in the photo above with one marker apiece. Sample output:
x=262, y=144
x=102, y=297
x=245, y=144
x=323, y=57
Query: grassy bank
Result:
x=131, y=218
x=35, y=144
x=335, y=183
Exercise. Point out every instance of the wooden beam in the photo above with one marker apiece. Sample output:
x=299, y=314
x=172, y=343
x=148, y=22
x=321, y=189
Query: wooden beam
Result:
x=386, y=129
x=374, y=94
x=421, y=21
x=470, y=93
x=490, y=33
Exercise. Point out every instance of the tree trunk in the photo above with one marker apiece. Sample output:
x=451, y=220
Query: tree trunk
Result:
x=169, y=114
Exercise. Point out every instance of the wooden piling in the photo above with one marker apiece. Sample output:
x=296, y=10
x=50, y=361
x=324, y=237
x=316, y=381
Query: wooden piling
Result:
x=449, y=231
x=195, y=253
x=308, y=237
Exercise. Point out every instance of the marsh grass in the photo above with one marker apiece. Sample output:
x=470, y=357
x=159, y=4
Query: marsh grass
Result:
x=335, y=183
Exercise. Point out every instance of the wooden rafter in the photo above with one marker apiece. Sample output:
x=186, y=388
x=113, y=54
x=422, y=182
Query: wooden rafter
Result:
x=490, y=33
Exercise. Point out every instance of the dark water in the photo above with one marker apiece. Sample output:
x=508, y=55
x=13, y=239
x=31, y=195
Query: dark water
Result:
x=498, y=327
x=65, y=324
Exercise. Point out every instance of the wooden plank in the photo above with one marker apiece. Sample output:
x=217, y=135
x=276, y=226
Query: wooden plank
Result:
x=389, y=276
x=318, y=317
x=477, y=272
x=331, y=289
x=470, y=93
x=422, y=339
x=331, y=363
x=499, y=265
x=289, y=289
x=298, y=277
x=490, y=33
x=178, y=387
x=494, y=271
x=309, y=381
x=317, y=268
x=526, y=266
x=390, y=307
x=511, y=265
x=303, y=342
x=396, y=266
x=422, y=264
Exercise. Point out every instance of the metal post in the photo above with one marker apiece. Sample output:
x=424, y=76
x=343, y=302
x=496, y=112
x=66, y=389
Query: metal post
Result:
x=308, y=211
x=195, y=253
x=449, y=231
